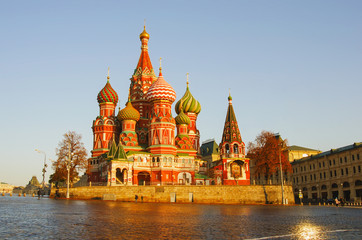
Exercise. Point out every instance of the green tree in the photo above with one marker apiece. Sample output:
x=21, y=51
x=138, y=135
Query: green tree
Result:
x=70, y=151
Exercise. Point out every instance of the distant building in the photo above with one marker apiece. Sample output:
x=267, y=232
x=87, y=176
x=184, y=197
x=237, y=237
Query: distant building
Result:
x=331, y=174
x=293, y=152
x=297, y=152
x=6, y=188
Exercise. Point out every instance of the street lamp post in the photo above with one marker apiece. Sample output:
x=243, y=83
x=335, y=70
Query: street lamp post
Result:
x=44, y=168
x=277, y=136
x=68, y=170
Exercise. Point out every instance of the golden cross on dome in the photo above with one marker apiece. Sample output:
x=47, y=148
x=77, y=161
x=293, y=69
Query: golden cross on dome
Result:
x=160, y=63
x=144, y=23
x=108, y=74
x=187, y=79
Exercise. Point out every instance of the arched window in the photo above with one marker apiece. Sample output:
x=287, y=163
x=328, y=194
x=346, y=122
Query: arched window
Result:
x=358, y=183
x=227, y=148
x=314, y=188
x=334, y=185
x=324, y=187
x=236, y=148
x=346, y=184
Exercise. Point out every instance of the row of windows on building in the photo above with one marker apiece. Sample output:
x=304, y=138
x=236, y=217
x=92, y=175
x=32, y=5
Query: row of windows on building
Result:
x=322, y=164
x=343, y=172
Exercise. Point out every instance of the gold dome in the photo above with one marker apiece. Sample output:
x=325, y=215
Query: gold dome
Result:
x=144, y=34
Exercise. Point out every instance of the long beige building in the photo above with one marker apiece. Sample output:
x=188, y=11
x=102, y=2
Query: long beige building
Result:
x=328, y=175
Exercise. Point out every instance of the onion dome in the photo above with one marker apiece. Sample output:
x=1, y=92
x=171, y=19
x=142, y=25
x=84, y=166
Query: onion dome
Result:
x=190, y=104
x=182, y=118
x=161, y=90
x=107, y=94
x=144, y=34
x=128, y=113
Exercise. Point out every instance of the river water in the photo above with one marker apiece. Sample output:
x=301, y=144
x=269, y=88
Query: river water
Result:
x=30, y=218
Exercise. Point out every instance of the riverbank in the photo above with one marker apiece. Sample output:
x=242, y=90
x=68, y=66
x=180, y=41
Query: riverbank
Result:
x=254, y=194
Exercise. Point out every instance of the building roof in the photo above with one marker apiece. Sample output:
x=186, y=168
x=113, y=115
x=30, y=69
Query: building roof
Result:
x=299, y=148
x=161, y=90
x=107, y=94
x=330, y=152
x=231, y=131
x=188, y=103
x=209, y=148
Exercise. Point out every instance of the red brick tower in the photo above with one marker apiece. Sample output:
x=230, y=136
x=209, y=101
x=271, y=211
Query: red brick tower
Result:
x=191, y=107
x=142, y=79
x=235, y=167
x=104, y=126
x=162, y=125
x=182, y=140
x=129, y=116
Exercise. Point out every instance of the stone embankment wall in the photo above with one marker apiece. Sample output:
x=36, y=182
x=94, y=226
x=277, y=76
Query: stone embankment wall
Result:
x=254, y=194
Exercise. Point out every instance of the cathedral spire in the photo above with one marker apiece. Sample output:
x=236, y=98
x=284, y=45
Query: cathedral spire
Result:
x=231, y=131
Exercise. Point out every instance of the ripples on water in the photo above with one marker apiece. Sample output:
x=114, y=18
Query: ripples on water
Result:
x=30, y=218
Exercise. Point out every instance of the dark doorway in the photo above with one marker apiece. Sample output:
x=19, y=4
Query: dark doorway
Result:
x=144, y=178
x=119, y=176
x=347, y=195
x=324, y=195
x=335, y=194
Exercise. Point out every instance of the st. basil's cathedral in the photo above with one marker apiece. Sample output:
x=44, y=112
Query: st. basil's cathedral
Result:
x=139, y=146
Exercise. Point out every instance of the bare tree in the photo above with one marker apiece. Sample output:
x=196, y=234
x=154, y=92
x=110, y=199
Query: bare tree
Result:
x=70, y=151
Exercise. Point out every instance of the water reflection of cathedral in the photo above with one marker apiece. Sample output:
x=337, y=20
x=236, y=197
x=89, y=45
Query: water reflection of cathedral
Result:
x=139, y=146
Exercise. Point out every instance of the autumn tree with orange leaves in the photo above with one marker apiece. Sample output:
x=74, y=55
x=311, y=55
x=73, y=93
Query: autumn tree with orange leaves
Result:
x=72, y=146
x=265, y=154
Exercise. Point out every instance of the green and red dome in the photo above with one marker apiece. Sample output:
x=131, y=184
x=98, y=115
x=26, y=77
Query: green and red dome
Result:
x=182, y=118
x=107, y=94
x=189, y=103
x=128, y=113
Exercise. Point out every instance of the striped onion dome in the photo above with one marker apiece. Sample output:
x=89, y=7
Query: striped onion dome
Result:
x=128, y=113
x=107, y=94
x=161, y=90
x=182, y=118
x=189, y=103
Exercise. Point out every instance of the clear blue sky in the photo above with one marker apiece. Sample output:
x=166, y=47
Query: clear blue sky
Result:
x=293, y=67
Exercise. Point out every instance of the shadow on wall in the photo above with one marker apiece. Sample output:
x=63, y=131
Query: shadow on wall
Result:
x=265, y=195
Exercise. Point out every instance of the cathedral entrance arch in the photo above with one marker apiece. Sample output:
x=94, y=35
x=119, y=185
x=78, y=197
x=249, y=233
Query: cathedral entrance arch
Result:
x=119, y=176
x=184, y=178
x=237, y=169
x=144, y=178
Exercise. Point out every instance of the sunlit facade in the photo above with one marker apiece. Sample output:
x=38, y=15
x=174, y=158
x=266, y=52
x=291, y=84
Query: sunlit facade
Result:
x=329, y=175
x=139, y=145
